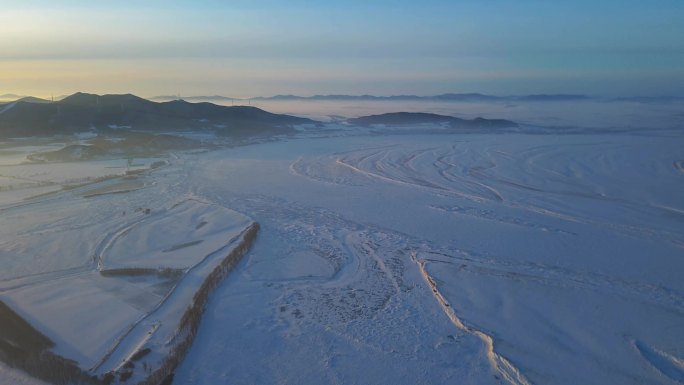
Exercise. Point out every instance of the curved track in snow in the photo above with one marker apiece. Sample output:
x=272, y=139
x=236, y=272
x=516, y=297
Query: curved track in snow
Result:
x=538, y=179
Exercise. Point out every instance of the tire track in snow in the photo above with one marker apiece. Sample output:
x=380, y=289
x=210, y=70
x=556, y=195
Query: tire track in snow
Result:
x=480, y=176
x=384, y=178
x=111, y=238
x=28, y=280
x=445, y=167
x=557, y=276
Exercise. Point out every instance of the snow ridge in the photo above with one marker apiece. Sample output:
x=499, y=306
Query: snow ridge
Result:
x=500, y=364
x=667, y=364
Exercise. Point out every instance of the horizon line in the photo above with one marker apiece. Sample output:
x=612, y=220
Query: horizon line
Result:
x=15, y=96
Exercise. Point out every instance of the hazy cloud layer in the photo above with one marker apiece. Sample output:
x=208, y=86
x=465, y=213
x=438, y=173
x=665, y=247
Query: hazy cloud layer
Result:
x=615, y=47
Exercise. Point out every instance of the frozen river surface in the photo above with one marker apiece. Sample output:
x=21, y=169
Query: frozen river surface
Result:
x=466, y=259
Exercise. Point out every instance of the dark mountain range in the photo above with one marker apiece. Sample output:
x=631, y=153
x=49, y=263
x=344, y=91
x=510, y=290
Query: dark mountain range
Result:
x=466, y=97
x=462, y=97
x=551, y=98
x=31, y=99
x=413, y=118
x=83, y=112
x=10, y=97
x=651, y=99
x=216, y=98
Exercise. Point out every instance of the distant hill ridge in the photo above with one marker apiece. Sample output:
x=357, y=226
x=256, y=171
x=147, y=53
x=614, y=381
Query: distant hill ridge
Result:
x=82, y=112
x=453, y=97
x=86, y=112
x=463, y=97
x=414, y=118
x=443, y=97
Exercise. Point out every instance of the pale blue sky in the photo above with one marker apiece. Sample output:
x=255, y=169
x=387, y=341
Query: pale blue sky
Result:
x=249, y=48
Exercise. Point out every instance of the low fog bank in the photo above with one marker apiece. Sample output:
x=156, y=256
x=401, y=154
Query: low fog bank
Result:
x=591, y=113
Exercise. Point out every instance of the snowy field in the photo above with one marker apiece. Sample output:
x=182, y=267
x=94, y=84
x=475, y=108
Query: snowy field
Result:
x=529, y=257
x=515, y=258
x=22, y=179
x=107, y=269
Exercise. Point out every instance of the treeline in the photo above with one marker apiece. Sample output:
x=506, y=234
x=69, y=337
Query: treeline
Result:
x=190, y=320
x=25, y=348
x=168, y=273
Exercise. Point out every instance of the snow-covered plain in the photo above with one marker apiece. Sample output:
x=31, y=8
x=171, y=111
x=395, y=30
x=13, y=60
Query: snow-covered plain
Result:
x=484, y=258
x=529, y=257
x=105, y=272
x=22, y=179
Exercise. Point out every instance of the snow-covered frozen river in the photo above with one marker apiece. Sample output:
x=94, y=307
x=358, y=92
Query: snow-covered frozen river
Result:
x=482, y=258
